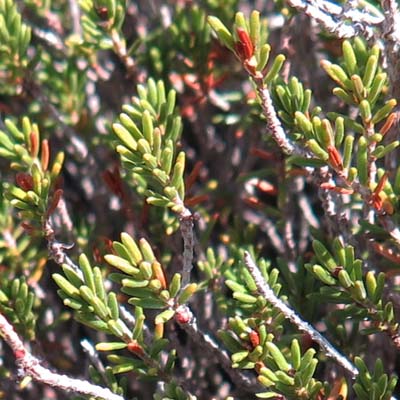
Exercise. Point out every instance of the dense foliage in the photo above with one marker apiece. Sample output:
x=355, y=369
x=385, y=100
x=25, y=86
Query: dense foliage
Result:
x=199, y=200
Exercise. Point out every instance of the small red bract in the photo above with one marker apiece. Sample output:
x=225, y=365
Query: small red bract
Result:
x=135, y=347
x=24, y=181
x=182, y=315
x=254, y=338
x=244, y=47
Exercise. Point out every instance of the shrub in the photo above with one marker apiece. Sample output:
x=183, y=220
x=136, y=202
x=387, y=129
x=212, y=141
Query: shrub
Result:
x=199, y=200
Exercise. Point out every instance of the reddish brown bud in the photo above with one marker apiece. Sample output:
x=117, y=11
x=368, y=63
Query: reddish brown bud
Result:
x=388, y=123
x=337, y=189
x=381, y=184
x=254, y=338
x=34, y=144
x=108, y=243
x=54, y=202
x=135, y=348
x=24, y=181
x=253, y=201
x=191, y=179
x=335, y=158
x=336, y=271
x=97, y=256
x=193, y=201
x=263, y=154
x=102, y=12
x=267, y=187
x=244, y=47
x=258, y=366
x=377, y=200
x=182, y=315
x=114, y=181
x=45, y=155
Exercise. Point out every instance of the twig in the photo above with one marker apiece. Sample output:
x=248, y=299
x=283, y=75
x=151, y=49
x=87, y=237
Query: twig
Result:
x=280, y=137
x=75, y=17
x=270, y=296
x=120, y=50
x=268, y=226
x=350, y=11
x=391, y=24
x=62, y=219
x=333, y=18
x=30, y=366
x=57, y=249
x=189, y=324
x=130, y=322
x=186, y=226
x=289, y=148
x=306, y=209
x=50, y=40
x=89, y=349
x=275, y=126
x=332, y=203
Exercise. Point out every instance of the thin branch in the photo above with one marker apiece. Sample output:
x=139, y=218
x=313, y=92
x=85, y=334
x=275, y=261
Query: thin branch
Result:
x=351, y=11
x=120, y=49
x=186, y=226
x=57, y=249
x=288, y=147
x=75, y=17
x=130, y=321
x=331, y=202
x=391, y=24
x=280, y=137
x=270, y=296
x=333, y=18
x=304, y=326
x=93, y=355
x=50, y=40
x=188, y=323
x=274, y=125
x=30, y=366
x=267, y=226
x=306, y=209
x=62, y=219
